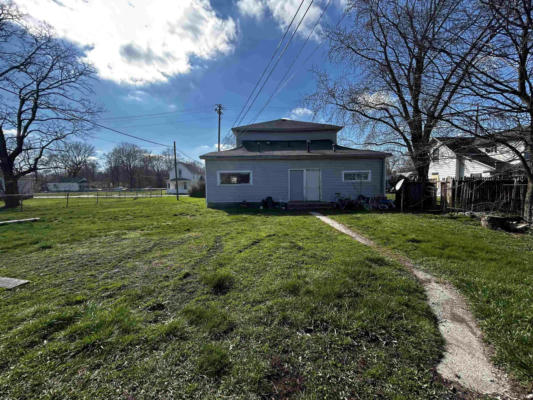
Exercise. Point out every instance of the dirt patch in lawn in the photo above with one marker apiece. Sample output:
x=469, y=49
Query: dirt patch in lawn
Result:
x=466, y=359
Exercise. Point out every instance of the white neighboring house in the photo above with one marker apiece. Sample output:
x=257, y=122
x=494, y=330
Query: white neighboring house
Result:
x=188, y=175
x=68, y=185
x=25, y=185
x=461, y=157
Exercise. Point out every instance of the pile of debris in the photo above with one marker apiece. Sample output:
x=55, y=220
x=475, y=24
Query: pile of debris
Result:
x=508, y=224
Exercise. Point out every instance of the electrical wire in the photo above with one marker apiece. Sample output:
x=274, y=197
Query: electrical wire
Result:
x=277, y=61
x=269, y=62
x=281, y=81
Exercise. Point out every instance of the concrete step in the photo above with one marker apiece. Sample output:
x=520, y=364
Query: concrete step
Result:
x=309, y=205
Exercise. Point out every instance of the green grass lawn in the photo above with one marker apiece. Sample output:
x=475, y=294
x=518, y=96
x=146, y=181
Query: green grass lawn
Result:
x=151, y=298
x=493, y=269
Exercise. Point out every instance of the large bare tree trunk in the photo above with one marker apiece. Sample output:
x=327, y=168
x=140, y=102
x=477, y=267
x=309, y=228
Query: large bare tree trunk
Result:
x=12, y=198
x=528, y=203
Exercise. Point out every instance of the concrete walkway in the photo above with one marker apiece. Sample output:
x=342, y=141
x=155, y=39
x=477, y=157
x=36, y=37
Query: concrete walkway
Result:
x=466, y=359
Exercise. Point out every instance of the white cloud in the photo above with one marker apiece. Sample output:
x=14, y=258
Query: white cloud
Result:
x=137, y=96
x=301, y=113
x=138, y=42
x=10, y=132
x=251, y=8
x=283, y=10
x=223, y=146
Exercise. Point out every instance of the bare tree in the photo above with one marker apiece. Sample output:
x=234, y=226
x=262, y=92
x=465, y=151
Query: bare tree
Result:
x=112, y=163
x=500, y=89
x=44, y=87
x=72, y=157
x=158, y=169
x=402, y=62
x=128, y=158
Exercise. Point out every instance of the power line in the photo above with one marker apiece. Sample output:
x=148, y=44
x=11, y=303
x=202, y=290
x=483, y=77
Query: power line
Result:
x=155, y=115
x=264, y=70
x=277, y=61
x=269, y=62
x=124, y=133
x=276, y=90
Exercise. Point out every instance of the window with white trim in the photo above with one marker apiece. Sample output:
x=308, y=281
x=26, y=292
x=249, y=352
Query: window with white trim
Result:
x=234, y=177
x=356, y=176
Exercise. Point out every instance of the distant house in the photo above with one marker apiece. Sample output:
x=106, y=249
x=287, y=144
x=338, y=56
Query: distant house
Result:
x=464, y=157
x=25, y=185
x=188, y=175
x=68, y=185
x=291, y=161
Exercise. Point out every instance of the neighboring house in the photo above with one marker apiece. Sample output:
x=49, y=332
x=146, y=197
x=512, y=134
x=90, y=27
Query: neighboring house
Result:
x=25, y=185
x=68, y=185
x=188, y=175
x=291, y=161
x=463, y=157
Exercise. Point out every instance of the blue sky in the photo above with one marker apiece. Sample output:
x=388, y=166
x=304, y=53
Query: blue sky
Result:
x=182, y=57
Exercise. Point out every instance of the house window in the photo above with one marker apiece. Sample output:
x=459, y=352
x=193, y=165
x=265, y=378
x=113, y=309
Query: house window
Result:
x=234, y=177
x=179, y=173
x=168, y=185
x=185, y=185
x=478, y=175
x=435, y=155
x=356, y=176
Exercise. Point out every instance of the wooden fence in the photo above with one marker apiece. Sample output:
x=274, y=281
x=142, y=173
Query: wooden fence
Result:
x=484, y=194
x=416, y=196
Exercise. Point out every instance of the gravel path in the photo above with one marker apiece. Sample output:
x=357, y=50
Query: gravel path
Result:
x=466, y=359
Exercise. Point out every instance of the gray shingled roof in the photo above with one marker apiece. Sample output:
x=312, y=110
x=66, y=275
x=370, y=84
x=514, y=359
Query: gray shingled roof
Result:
x=286, y=125
x=296, y=149
x=467, y=147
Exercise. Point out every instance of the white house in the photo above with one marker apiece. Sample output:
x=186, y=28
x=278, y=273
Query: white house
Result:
x=68, y=185
x=462, y=157
x=291, y=161
x=188, y=175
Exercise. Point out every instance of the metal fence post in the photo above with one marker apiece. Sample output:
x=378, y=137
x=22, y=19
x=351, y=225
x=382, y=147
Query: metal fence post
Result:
x=67, y=198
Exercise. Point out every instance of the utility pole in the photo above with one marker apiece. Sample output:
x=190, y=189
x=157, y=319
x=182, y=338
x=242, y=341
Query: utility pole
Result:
x=218, y=110
x=176, y=172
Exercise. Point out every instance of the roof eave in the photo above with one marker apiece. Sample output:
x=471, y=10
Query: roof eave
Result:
x=295, y=157
x=333, y=128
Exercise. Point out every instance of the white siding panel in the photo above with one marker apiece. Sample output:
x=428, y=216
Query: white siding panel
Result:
x=474, y=167
x=446, y=166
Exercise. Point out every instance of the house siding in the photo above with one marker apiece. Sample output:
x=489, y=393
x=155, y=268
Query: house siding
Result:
x=446, y=166
x=450, y=166
x=473, y=167
x=271, y=178
x=183, y=186
x=66, y=187
x=307, y=135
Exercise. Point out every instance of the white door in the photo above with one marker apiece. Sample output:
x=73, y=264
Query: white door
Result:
x=312, y=184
